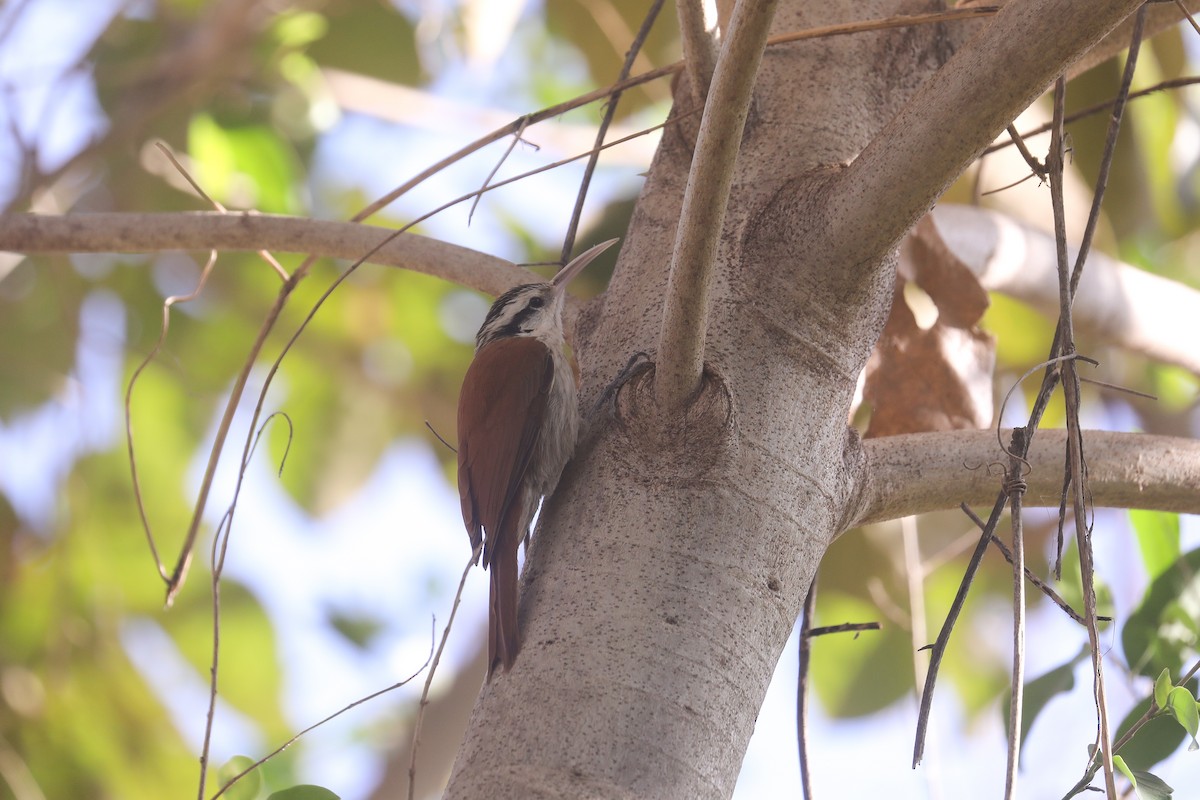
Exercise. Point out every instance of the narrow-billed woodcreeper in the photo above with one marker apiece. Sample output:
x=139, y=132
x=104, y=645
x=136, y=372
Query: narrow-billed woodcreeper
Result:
x=518, y=418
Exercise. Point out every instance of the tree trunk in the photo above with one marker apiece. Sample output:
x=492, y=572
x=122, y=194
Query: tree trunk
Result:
x=672, y=562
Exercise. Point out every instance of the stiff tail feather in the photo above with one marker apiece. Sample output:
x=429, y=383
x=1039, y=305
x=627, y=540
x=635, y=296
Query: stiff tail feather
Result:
x=503, y=642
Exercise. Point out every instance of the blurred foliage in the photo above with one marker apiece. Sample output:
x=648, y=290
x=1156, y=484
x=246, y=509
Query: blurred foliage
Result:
x=238, y=88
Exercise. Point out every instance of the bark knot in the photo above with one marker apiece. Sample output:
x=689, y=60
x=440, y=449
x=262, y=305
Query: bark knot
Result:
x=693, y=443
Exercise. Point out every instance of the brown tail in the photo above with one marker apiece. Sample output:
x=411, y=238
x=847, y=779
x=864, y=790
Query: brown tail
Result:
x=502, y=617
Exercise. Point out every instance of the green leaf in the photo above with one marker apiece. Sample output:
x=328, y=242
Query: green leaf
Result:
x=1158, y=539
x=359, y=630
x=1119, y=763
x=245, y=165
x=248, y=785
x=299, y=28
x=1182, y=706
x=1175, y=387
x=1152, y=787
x=247, y=649
x=39, y=324
x=1154, y=741
x=304, y=792
x=1021, y=333
x=1162, y=687
x=849, y=672
x=1164, y=627
x=1041, y=690
x=375, y=40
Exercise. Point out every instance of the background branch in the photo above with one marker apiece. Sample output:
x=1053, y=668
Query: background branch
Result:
x=922, y=472
x=149, y=233
x=1120, y=303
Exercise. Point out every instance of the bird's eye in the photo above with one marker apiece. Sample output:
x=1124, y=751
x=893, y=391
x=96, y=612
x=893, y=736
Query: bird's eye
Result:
x=536, y=302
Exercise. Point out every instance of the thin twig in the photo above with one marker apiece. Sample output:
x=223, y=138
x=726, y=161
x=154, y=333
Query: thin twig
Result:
x=1187, y=14
x=316, y=725
x=210, y=713
x=220, y=547
x=1067, y=291
x=805, y=646
x=1116, y=388
x=914, y=575
x=701, y=219
x=187, y=176
x=610, y=110
x=1038, y=167
x=1110, y=146
x=845, y=627
x=1128, y=735
x=1083, y=113
x=1007, y=186
x=1123, y=740
x=938, y=648
x=900, y=21
x=449, y=446
x=437, y=658
x=1015, y=489
x=1054, y=161
x=162, y=337
x=1030, y=575
x=499, y=163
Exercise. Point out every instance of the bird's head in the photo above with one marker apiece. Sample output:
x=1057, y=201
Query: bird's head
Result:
x=534, y=309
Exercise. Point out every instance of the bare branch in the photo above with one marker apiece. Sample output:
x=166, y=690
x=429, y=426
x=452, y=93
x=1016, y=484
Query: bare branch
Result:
x=922, y=472
x=802, y=673
x=693, y=260
x=149, y=233
x=697, y=34
x=912, y=159
x=1120, y=303
x=1015, y=489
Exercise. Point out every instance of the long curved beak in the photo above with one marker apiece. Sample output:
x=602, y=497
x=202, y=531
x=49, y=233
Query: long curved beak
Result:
x=564, y=276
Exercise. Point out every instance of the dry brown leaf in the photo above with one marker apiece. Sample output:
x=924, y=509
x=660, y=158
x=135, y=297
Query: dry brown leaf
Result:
x=932, y=377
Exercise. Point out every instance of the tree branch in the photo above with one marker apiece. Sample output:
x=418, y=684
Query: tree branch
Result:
x=697, y=35
x=923, y=472
x=685, y=316
x=151, y=233
x=1124, y=305
x=959, y=111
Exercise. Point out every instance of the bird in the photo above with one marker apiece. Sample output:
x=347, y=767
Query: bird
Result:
x=518, y=418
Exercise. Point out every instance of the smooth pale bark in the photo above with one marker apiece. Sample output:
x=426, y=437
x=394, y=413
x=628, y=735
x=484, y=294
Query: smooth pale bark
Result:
x=916, y=473
x=673, y=560
x=143, y=233
x=1116, y=302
